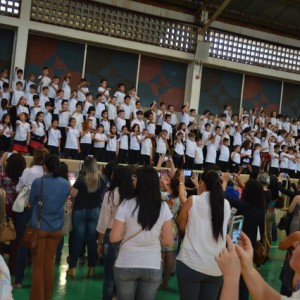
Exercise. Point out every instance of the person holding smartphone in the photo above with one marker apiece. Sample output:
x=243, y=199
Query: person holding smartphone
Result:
x=204, y=219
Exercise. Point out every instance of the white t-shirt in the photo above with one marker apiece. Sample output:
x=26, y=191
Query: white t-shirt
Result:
x=275, y=160
x=199, y=155
x=284, y=160
x=100, y=107
x=72, y=138
x=146, y=148
x=33, y=113
x=21, y=108
x=106, y=125
x=236, y=157
x=151, y=128
x=134, y=144
x=168, y=127
x=52, y=90
x=86, y=107
x=179, y=148
x=16, y=97
x=120, y=97
x=146, y=244
x=112, y=111
x=57, y=105
x=199, y=247
x=47, y=119
x=141, y=123
x=63, y=118
x=237, y=139
x=105, y=93
x=87, y=138
x=53, y=137
x=102, y=137
x=127, y=109
x=124, y=142
x=211, y=155
x=45, y=81
x=224, y=153
x=80, y=95
x=190, y=148
x=38, y=130
x=22, y=131
x=79, y=120
x=185, y=118
x=112, y=144
x=67, y=90
x=256, y=158
x=72, y=105
x=161, y=146
x=119, y=124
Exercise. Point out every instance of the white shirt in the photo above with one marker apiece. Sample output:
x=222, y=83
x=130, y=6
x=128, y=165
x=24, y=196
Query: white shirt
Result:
x=256, y=158
x=284, y=160
x=22, y=131
x=211, y=155
x=47, y=119
x=63, y=118
x=52, y=90
x=80, y=95
x=112, y=111
x=120, y=97
x=151, y=128
x=67, y=90
x=237, y=139
x=124, y=141
x=236, y=157
x=72, y=104
x=6, y=130
x=100, y=107
x=166, y=126
x=21, y=108
x=127, y=110
x=174, y=119
x=72, y=138
x=146, y=243
x=190, y=148
x=57, y=105
x=119, y=124
x=86, y=107
x=161, y=146
x=146, y=148
x=106, y=125
x=43, y=100
x=134, y=144
x=39, y=130
x=224, y=153
x=141, y=123
x=16, y=97
x=105, y=93
x=112, y=144
x=43, y=82
x=275, y=160
x=33, y=113
x=87, y=138
x=179, y=148
x=199, y=155
x=195, y=253
x=79, y=120
x=102, y=137
x=28, y=177
x=53, y=137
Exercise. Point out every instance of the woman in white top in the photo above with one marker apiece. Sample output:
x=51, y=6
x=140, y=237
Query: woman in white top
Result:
x=35, y=170
x=204, y=219
x=146, y=223
x=121, y=188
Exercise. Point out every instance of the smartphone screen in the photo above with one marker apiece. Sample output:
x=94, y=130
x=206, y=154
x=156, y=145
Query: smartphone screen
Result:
x=187, y=173
x=236, y=228
x=72, y=177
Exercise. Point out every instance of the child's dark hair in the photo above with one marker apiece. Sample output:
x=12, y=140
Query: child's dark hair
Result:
x=4, y=103
x=91, y=108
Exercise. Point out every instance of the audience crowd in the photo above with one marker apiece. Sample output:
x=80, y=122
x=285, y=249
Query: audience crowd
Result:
x=126, y=213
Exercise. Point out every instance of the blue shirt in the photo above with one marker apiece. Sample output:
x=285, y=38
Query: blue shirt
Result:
x=55, y=194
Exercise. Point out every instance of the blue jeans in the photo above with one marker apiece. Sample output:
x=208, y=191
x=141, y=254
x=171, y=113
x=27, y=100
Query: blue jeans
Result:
x=110, y=252
x=136, y=283
x=22, y=220
x=84, y=229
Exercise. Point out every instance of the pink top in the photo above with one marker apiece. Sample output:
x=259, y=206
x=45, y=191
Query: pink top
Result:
x=109, y=209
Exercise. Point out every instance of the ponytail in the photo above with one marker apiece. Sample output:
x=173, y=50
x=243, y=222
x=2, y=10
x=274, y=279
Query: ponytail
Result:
x=216, y=200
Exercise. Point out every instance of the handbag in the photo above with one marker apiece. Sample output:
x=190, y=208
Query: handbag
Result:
x=21, y=200
x=30, y=236
x=285, y=221
x=7, y=228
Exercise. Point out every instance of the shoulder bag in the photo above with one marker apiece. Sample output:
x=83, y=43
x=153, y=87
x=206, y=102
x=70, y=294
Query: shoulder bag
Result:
x=7, y=228
x=30, y=236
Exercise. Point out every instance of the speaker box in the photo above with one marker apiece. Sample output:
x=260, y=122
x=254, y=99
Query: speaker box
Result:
x=202, y=51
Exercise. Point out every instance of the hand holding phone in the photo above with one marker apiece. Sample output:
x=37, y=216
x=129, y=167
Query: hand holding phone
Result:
x=236, y=227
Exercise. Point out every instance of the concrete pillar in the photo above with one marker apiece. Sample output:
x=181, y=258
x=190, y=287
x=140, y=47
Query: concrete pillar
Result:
x=21, y=38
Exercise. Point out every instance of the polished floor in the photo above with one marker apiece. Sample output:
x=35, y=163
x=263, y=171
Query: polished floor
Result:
x=90, y=289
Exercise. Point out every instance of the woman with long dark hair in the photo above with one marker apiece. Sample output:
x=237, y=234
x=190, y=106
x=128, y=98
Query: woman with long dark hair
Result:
x=147, y=223
x=120, y=189
x=204, y=218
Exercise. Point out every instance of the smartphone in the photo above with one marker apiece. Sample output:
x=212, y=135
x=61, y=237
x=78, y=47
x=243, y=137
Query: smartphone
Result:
x=187, y=173
x=72, y=175
x=231, y=176
x=236, y=227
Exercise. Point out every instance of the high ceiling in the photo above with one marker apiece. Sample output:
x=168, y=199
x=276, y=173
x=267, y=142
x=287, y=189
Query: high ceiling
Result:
x=277, y=16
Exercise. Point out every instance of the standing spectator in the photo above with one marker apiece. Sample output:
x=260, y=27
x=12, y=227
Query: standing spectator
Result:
x=204, y=219
x=55, y=191
x=146, y=221
x=86, y=191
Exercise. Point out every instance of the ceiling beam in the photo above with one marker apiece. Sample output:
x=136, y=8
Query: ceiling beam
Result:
x=214, y=16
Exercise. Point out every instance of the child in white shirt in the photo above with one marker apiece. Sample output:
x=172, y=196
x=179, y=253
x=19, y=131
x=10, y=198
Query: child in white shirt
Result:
x=99, y=143
x=146, y=149
x=72, y=147
x=54, y=138
x=124, y=145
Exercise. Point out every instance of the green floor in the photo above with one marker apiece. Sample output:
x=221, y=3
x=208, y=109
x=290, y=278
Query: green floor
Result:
x=90, y=289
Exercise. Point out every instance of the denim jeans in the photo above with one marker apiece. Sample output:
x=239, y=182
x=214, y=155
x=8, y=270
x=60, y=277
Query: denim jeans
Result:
x=84, y=229
x=137, y=283
x=110, y=252
x=22, y=253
